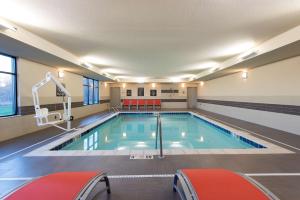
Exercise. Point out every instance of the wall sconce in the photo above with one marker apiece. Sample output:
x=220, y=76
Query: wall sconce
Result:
x=201, y=83
x=105, y=84
x=244, y=75
x=153, y=85
x=124, y=85
x=61, y=74
x=182, y=85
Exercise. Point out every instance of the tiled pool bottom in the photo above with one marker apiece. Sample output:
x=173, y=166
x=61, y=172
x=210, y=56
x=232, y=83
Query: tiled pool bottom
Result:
x=249, y=144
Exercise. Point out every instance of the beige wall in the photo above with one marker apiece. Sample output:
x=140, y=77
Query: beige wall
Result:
x=276, y=83
x=29, y=73
x=158, y=86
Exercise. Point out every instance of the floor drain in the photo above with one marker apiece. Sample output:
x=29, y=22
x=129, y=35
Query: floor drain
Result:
x=139, y=157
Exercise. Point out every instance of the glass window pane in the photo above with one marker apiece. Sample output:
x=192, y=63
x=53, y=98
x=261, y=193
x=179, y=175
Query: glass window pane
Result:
x=96, y=95
x=7, y=64
x=7, y=95
x=96, y=83
x=91, y=83
x=85, y=95
x=91, y=91
x=85, y=81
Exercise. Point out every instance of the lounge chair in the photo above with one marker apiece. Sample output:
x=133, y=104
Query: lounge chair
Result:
x=60, y=186
x=216, y=184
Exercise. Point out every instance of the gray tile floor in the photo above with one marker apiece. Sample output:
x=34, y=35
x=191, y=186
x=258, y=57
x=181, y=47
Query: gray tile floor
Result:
x=285, y=187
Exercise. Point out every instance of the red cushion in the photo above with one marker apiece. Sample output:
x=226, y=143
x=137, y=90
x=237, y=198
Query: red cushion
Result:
x=216, y=184
x=149, y=102
x=141, y=102
x=157, y=102
x=58, y=186
x=126, y=102
x=133, y=102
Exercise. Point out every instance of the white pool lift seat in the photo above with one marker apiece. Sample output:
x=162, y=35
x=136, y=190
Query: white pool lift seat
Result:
x=42, y=114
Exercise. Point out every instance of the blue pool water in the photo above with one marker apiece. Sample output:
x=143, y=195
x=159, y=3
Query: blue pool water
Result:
x=138, y=131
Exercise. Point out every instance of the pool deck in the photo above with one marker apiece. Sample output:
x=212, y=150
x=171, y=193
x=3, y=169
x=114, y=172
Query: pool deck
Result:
x=274, y=171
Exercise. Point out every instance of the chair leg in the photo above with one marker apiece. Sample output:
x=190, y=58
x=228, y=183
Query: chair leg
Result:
x=175, y=183
x=107, y=184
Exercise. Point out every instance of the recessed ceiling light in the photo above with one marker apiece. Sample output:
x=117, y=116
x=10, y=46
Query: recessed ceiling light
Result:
x=140, y=80
x=202, y=65
x=4, y=25
x=87, y=65
x=237, y=48
x=98, y=60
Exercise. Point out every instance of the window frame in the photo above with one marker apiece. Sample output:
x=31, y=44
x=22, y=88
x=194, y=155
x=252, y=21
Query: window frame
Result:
x=15, y=75
x=88, y=91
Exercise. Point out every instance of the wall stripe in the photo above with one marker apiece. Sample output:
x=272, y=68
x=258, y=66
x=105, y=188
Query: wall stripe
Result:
x=277, y=108
x=29, y=110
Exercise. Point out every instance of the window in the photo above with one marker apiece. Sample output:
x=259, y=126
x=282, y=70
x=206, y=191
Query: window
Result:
x=90, y=91
x=153, y=93
x=8, y=86
x=140, y=92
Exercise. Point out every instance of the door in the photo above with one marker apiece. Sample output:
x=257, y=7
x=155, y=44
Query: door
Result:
x=192, y=97
x=115, y=96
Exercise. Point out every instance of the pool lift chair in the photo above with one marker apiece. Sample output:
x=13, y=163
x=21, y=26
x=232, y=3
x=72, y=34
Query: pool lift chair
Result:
x=42, y=114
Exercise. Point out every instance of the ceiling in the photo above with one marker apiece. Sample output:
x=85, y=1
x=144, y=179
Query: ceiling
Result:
x=144, y=40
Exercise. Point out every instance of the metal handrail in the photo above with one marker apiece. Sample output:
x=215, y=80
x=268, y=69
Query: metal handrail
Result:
x=159, y=131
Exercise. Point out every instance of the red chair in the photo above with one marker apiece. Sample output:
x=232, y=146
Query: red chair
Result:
x=141, y=102
x=60, y=186
x=216, y=184
x=157, y=103
x=126, y=103
x=150, y=102
x=133, y=103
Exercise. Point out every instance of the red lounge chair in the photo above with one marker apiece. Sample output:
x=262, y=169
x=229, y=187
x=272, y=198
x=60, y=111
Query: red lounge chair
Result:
x=141, y=103
x=150, y=103
x=216, y=184
x=126, y=103
x=60, y=186
x=133, y=103
x=157, y=103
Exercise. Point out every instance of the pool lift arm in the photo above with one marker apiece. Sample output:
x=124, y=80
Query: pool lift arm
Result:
x=42, y=114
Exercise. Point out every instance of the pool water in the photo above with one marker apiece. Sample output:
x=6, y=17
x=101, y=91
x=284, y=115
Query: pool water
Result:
x=138, y=132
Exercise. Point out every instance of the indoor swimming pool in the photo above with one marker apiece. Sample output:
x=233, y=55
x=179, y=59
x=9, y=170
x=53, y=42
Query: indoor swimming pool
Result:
x=137, y=131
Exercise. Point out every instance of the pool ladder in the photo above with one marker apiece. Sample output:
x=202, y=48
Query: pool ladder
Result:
x=159, y=132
